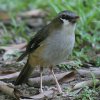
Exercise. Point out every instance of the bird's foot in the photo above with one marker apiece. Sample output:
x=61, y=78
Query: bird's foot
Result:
x=41, y=90
x=59, y=89
x=56, y=90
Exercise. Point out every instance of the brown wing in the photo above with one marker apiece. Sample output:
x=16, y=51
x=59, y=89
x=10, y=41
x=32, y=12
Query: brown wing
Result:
x=35, y=42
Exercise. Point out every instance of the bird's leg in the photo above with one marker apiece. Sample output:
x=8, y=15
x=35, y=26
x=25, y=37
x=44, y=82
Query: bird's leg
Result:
x=41, y=71
x=58, y=86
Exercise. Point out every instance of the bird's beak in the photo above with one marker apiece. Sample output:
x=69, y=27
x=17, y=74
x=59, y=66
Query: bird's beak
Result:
x=74, y=19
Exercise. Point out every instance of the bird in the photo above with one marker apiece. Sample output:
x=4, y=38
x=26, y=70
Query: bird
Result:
x=49, y=47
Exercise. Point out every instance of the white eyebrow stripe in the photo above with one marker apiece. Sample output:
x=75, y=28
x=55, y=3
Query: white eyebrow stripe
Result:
x=66, y=22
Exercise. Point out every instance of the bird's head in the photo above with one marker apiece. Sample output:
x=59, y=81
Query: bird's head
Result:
x=67, y=17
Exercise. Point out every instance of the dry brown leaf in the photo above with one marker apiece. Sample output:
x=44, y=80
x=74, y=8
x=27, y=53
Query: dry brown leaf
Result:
x=14, y=46
x=4, y=15
x=9, y=76
x=5, y=72
x=68, y=77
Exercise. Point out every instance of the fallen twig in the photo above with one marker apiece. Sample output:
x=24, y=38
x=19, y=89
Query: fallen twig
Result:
x=9, y=89
x=89, y=83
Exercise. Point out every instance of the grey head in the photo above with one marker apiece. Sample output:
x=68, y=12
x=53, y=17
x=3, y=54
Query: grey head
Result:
x=68, y=15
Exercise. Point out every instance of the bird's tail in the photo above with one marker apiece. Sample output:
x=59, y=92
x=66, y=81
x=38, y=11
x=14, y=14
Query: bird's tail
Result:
x=24, y=74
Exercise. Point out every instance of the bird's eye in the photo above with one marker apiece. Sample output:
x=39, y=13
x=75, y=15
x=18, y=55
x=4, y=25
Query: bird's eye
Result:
x=63, y=16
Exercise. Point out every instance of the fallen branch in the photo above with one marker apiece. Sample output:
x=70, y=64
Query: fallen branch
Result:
x=89, y=72
x=15, y=75
x=48, y=79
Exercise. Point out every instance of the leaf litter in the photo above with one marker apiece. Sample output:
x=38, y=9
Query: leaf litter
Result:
x=71, y=82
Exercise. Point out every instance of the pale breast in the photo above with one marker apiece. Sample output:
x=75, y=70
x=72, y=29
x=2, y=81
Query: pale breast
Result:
x=58, y=47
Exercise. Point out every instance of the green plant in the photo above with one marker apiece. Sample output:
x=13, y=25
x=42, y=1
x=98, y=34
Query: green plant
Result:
x=87, y=94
